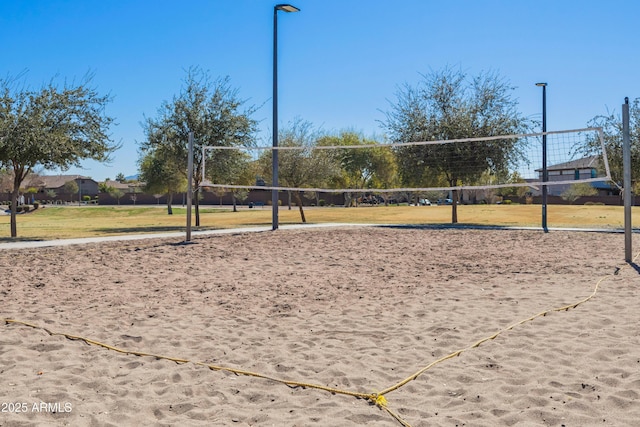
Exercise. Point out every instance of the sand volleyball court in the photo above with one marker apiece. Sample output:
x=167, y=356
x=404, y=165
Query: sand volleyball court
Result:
x=353, y=309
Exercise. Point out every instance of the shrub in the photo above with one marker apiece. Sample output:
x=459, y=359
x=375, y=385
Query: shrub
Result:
x=321, y=202
x=26, y=208
x=594, y=204
x=18, y=209
x=506, y=202
x=86, y=198
x=36, y=205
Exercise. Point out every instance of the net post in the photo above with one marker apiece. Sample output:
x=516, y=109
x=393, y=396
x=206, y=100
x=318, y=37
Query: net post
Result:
x=626, y=165
x=274, y=165
x=545, y=172
x=189, y=186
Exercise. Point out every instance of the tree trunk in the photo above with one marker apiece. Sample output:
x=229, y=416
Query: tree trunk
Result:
x=14, y=206
x=299, y=201
x=289, y=194
x=18, y=177
x=454, y=207
x=169, y=202
x=233, y=198
x=347, y=200
x=197, y=204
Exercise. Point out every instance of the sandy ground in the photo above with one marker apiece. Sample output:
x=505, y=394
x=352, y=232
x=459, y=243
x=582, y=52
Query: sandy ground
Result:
x=356, y=309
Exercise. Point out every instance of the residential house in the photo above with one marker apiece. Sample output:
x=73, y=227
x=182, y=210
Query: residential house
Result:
x=86, y=185
x=584, y=168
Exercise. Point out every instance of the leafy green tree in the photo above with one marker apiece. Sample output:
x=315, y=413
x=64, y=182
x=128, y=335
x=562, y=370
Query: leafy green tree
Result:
x=611, y=125
x=446, y=105
x=31, y=192
x=103, y=187
x=244, y=174
x=576, y=191
x=54, y=127
x=116, y=193
x=220, y=192
x=120, y=178
x=360, y=168
x=514, y=178
x=71, y=188
x=161, y=174
x=212, y=110
x=303, y=167
x=52, y=194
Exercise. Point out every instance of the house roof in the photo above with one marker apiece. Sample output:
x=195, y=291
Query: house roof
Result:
x=583, y=163
x=57, y=181
x=117, y=184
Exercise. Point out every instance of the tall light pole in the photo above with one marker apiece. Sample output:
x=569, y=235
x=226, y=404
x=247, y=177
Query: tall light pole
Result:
x=545, y=173
x=274, y=193
x=626, y=168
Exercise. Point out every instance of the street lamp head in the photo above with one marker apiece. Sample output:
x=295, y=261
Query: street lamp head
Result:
x=541, y=84
x=287, y=8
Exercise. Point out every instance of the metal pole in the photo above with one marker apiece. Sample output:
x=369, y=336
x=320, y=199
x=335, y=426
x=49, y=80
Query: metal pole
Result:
x=626, y=165
x=545, y=173
x=189, y=186
x=274, y=193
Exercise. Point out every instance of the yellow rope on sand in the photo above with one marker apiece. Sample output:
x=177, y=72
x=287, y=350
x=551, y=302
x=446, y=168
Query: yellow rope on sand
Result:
x=376, y=399
x=508, y=328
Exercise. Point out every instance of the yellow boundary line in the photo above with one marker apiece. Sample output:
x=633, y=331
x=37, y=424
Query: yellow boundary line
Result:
x=378, y=399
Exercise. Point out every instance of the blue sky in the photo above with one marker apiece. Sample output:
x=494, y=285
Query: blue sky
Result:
x=340, y=62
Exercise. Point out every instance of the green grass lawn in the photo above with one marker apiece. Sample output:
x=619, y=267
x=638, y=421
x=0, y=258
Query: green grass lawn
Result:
x=90, y=221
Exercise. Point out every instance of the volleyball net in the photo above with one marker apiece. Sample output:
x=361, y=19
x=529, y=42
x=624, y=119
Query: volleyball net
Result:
x=507, y=161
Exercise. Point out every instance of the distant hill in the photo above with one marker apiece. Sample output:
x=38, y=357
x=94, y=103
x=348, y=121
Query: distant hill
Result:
x=131, y=177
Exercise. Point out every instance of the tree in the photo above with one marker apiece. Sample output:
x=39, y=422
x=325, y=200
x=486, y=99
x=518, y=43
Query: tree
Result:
x=116, y=193
x=515, y=178
x=576, y=191
x=244, y=173
x=71, y=188
x=103, y=187
x=444, y=106
x=360, y=168
x=220, y=192
x=54, y=127
x=611, y=125
x=303, y=167
x=162, y=175
x=51, y=194
x=120, y=178
x=31, y=191
x=215, y=115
